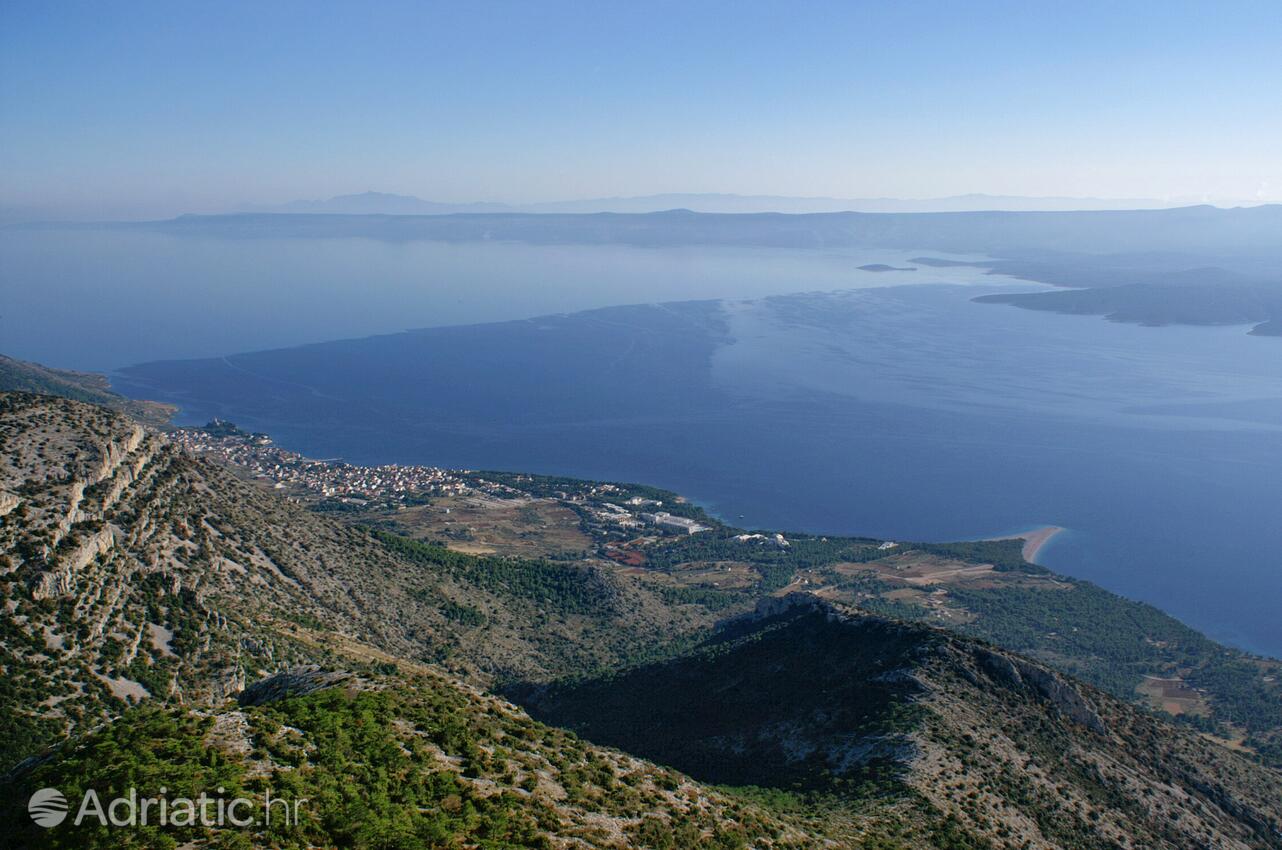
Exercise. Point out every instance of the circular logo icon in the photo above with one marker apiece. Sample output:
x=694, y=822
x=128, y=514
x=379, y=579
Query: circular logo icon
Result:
x=47, y=807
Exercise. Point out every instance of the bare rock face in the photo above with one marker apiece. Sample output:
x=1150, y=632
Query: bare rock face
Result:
x=61, y=580
x=110, y=531
x=1067, y=698
x=115, y=530
x=131, y=571
x=292, y=683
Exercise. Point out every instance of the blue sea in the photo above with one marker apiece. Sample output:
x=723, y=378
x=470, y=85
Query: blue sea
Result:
x=781, y=389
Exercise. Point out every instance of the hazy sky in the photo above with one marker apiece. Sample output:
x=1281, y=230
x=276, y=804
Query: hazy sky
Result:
x=156, y=108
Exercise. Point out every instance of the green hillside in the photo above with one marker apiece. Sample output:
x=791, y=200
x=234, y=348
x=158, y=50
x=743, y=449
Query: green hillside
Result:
x=171, y=624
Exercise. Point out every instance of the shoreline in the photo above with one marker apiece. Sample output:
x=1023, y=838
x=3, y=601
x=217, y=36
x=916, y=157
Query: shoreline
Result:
x=1034, y=540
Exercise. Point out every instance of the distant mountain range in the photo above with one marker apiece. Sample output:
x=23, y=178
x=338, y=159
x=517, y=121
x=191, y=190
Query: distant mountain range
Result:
x=375, y=203
x=1240, y=239
x=381, y=203
x=1188, y=265
x=385, y=203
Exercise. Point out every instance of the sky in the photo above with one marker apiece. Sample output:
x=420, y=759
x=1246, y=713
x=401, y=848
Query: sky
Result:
x=144, y=109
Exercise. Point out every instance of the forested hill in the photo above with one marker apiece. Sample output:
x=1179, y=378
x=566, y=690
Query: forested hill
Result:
x=808, y=697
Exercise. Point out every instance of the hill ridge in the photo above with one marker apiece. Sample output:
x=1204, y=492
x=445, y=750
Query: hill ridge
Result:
x=150, y=588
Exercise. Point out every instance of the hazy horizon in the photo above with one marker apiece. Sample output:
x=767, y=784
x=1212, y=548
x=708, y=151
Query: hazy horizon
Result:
x=641, y=425
x=151, y=111
x=394, y=203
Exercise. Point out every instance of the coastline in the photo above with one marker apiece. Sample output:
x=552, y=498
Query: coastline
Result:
x=1034, y=540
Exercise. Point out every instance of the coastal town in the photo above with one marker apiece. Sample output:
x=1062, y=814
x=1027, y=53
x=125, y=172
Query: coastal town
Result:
x=257, y=456
x=341, y=485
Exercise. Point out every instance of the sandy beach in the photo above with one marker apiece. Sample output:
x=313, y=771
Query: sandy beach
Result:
x=1034, y=540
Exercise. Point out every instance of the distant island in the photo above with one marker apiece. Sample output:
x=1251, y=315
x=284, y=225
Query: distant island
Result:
x=1153, y=290
x=1157, y=304
x=1189, y=265
x=882, y=267
x=1197, y=265
x=384, y=203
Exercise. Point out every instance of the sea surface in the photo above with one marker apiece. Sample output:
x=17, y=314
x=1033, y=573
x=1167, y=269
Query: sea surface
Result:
x=783, y=390
x=99, y=299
